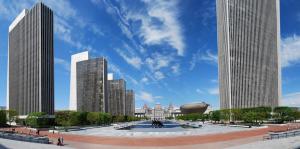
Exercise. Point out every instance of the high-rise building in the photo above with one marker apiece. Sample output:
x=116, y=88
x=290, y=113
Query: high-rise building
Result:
x=30, y=85
x=92, y=85
x=116, y=96
x=129, y=103
x=73, y=80
x=248, y=50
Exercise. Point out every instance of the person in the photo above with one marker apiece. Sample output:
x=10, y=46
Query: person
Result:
x=59, y=142
x=62, y=140
x=38, y=132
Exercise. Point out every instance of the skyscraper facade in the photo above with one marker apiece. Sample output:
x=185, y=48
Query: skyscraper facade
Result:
x=129, y=103
x=116, y=97
x=73, y=80
x=30, y=85
x=92, y=85
x=248, y=51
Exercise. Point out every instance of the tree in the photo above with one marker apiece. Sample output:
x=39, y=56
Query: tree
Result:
x=2, y=118
x=62, y=118
x=225, y=114
x=215, y=115
x=282, y=114
x=249, y=117
x=12, y=116
x=236, y=114
x=92, y=117
x=38, y=120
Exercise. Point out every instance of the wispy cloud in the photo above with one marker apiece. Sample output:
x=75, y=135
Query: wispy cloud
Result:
x=63, y=63
x=160, y=24
x=159, y=75
x=290, y=51
x=147, y=97
x=214, y=91
x=292, y=99
x=134, y=61
x=208, y=56
x=199, y=91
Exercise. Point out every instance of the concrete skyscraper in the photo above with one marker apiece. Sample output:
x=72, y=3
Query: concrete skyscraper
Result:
x=73, y=80
x=129, y=103
x=248, y=50
x=92, y=85
x=30, y=85
x=116, y=96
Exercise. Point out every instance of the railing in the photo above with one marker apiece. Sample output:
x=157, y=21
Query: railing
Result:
x=22, y=137
x=278, y=135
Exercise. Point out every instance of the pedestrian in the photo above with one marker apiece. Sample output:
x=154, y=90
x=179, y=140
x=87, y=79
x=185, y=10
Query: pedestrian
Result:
x=58, y=142
x=62, y=140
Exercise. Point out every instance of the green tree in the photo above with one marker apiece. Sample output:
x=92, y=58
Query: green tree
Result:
x=215, y=115
x=62, y=118
x=2, y=118
x=236, y=114
x=12, y=115
x=92, y=117
x=225, y=114
x=38, y=120
x=249, y=117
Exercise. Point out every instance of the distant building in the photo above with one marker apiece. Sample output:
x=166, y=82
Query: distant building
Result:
x=92, y=85
x=116, y=96
x=73, y=79
x=248, y=53
x=30, y=74
x=2, y=108
x=129, y=103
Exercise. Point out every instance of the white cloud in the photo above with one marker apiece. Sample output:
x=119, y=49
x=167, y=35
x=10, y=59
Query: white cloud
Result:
x=144, y=80
x=199, y=91
x=290, y=51
x=176, y=69
x=159, y=75
x=214, y=91
x=134, y=61
x=208, y=57
x=63, y=63
x=160, y=24
x=292, y=99
x=66, y=18
x=148, y=97
x=158, y=61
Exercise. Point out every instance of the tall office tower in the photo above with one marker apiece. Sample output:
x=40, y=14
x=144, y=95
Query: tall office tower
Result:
x=92, y=85
x=129, y=103
x=248, y=43
x=73, y=80
x=116, y=96
x=30, y=85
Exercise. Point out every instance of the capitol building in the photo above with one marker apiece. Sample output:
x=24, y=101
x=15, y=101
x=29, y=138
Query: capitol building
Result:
x=158, y=112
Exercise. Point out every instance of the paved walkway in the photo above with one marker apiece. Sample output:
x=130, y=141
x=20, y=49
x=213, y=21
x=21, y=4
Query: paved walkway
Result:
x=164, y=141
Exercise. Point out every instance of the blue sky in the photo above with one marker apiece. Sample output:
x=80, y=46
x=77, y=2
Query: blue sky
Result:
x=165, y=50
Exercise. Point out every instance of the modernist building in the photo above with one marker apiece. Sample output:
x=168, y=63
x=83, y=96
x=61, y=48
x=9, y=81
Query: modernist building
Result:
x=248, y=43
x=116, y=96
x=129, y=103
x=92, y=85
x=73, y=80
x=30, y=85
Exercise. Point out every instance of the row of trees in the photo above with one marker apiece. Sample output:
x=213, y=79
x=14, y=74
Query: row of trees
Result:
x=72, y=118
x=256, y=115
x=7, y=116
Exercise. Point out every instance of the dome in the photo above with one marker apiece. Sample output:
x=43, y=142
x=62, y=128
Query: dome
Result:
x=194, y=108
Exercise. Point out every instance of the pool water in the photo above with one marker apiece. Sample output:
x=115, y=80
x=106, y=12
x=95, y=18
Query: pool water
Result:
x=148, y=124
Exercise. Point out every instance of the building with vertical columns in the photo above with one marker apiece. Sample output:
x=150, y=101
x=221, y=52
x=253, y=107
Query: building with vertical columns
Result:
x=30, y=75
x=248, y=51
x=129, y=103
x=116, y=96
x=73, y=80
x=92, y=85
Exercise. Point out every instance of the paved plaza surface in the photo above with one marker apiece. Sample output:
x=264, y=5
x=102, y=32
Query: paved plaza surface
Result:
x=213, y=140
x=158, y=132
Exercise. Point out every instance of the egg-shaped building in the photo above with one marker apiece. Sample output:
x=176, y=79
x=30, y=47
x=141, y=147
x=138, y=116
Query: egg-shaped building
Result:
x=194, y=108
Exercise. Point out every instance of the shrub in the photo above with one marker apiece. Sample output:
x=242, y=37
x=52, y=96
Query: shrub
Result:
x=3, y=118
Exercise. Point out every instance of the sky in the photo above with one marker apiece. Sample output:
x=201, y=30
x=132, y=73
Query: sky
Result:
x=165, y=50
